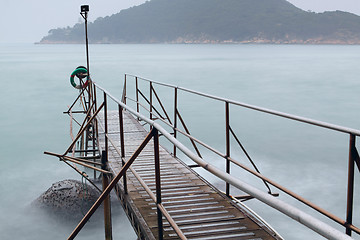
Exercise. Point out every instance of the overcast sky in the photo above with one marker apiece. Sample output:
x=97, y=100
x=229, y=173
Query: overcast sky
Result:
x=29, y=21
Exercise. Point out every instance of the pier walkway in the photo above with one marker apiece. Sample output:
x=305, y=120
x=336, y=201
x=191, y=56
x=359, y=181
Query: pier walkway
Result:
x=165, y=198
x=200, y=210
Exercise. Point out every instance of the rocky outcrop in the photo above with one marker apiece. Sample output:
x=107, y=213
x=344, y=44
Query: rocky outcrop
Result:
x=69, y=199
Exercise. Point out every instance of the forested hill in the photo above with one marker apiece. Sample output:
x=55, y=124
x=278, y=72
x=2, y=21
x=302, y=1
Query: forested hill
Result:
x=215, y=21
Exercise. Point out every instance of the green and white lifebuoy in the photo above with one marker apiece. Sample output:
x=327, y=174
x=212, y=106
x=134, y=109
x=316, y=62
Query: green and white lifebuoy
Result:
x=80, y=72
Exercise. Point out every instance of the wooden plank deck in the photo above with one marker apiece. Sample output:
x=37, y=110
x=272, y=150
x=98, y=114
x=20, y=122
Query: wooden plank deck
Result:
x=198, y=208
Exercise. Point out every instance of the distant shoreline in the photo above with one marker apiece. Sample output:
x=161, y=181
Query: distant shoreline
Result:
x=220, y=43
x=263, y=41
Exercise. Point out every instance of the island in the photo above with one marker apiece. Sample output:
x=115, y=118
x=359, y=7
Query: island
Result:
x=215, y=21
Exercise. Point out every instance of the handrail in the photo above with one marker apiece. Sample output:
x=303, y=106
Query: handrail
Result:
x=291, y=211
x=353, y=154
x=261, y=109
x=255, y=173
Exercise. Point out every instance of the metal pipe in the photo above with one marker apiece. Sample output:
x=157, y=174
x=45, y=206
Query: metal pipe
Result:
x=248, y=156
x=188, y=132
x=107, y=204
x=94, y=124
x=227, y=144
x=150, y=104
x=158, y=181
x=124, y=91
x=81, y=159
x=122, y=144
x=151, y=101
x=72, y=105
x=106, y=125
x=83, y=175
x=175, y=116
x=66, y=158
x=87, y=43
x=137, y=95
x=350, y=190
x=264, y=110
x=161, y=105
x=88, y=113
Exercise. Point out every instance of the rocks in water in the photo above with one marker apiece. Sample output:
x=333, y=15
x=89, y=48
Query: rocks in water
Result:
x=70, y=199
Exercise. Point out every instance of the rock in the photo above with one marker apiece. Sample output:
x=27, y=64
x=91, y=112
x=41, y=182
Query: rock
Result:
x=69, y=199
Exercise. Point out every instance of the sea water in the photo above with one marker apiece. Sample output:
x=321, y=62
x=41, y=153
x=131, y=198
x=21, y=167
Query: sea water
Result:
x=314, y=81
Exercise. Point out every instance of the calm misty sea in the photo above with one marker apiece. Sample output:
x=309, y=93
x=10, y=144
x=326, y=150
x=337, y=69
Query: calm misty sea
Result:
x=319, y=82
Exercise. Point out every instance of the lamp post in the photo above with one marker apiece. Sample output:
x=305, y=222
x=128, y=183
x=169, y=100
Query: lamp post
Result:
x=84, y=9
x=84, y=13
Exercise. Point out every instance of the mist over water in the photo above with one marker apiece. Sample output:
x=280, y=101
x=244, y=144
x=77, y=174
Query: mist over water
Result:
x=319, y=82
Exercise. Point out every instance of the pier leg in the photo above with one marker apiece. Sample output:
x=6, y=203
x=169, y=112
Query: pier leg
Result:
x=227, y=122
x=107, y=206
x=158, y=182
x=122, y=144
x=350, y=192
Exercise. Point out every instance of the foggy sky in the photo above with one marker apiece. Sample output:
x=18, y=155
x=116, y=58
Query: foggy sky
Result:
x=29, y=21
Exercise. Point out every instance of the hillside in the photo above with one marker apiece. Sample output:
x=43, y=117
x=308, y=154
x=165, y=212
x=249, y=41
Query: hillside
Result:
x=215, y=21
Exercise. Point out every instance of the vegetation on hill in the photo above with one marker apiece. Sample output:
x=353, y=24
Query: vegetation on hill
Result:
x=215, y=21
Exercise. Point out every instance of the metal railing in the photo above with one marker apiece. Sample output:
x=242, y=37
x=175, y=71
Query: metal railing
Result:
x=92, y=119
x=94, y=108
x=162, y=115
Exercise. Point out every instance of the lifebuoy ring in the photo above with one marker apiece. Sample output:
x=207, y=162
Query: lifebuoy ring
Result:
x=80, y=72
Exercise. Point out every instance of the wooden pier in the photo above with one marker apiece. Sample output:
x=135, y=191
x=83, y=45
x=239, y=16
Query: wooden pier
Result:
x=199, y=209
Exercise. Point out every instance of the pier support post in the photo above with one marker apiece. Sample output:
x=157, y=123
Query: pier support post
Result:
x=122, y=145
x=175, y=117
x=350, y=192
x=107, y=206
x=157, y=181
x=227, y=127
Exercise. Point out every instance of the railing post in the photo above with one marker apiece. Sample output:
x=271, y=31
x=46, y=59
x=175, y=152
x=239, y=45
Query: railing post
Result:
x=94, y=97
x=137, y=94
x=124, y=91
x=175, y=117
x=122, y=145
x=151, y=103
x=105, y=181
x=94, y=124
x=157, y=181
x=227, y=123
x=106, y=123
x=107, y=205
x=350, y=190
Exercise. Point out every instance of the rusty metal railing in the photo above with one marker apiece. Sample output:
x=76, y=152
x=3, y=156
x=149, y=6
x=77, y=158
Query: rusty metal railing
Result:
x=161, y=211
x=91, y=119
x=162, y=115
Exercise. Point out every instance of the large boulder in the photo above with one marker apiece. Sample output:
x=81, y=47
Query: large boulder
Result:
x=70, y=199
